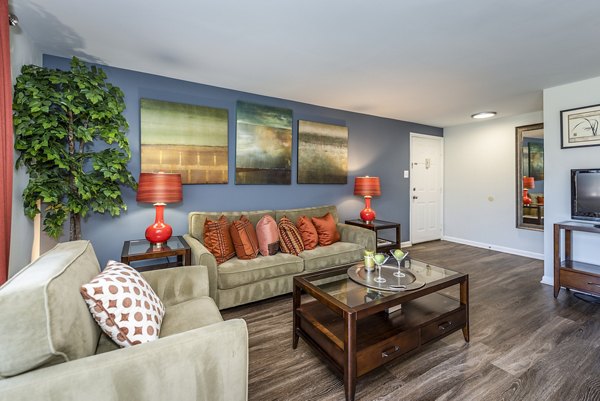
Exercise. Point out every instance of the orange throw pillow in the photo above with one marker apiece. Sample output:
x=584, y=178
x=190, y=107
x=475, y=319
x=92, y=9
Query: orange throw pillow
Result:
x=289, y=237
x=218, y=240
x=327, y=230
x=308, y=232
x=244, y=238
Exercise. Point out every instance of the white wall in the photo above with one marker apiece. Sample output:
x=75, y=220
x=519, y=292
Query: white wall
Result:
x=480, y=187
x=22, y=51
x=558, y=165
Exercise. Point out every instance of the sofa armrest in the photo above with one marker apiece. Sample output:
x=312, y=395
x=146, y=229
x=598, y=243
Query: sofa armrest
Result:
x=201, y=256
x=178, y=284
x=358, y=235
x=209, y=363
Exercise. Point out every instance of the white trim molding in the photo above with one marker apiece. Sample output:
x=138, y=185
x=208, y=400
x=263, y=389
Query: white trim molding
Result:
x=492, y=247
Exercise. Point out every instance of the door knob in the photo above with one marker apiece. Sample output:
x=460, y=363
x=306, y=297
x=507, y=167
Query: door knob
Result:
x=415, y=197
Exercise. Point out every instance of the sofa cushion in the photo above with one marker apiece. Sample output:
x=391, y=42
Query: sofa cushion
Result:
x=196, y=220
x=290, y=240
x=217, y=239
x=308, y=232
x=190, y=315
x=235, y=272
x=124, y=305
x=43, y=320
x=244, y=238
x=268, y=235
x=327, y=229
x=337, y=254
x=295, y=214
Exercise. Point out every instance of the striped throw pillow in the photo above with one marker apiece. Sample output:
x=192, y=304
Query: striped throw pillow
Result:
x=290, y=239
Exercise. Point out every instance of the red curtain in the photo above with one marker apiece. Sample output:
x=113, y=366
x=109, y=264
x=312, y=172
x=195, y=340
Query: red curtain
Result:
x=6, y=142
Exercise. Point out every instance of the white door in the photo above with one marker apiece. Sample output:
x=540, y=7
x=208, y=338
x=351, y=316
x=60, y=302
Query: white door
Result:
x=426, y=187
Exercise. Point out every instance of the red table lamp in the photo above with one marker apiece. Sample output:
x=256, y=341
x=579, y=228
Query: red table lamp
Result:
x=528, y=183
x=367, y=187
x=159, y=189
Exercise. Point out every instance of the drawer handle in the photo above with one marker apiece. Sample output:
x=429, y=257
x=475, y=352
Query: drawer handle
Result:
x=444, y=326
x=595, y=284
x=391, y=351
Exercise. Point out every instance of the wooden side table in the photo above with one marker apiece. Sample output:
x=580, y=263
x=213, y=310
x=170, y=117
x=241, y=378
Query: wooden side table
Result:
x=383, y=245
x=141, y=249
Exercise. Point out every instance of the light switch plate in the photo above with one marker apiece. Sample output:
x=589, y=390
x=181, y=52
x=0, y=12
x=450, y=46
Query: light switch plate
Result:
x=405, y=173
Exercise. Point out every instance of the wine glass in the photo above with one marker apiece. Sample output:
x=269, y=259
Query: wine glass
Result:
x=380, y=259
x=399, y=255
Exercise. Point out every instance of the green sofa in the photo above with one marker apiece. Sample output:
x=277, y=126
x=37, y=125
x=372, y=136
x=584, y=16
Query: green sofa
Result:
x=51, y=348
x=238, y=282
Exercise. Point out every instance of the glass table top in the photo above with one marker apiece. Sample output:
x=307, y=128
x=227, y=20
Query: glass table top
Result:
x=341, y=287
x=138, y=247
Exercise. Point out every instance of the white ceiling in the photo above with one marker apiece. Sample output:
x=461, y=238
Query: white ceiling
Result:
x=429, y=61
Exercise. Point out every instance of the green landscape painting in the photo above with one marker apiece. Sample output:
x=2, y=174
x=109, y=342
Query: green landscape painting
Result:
x=186, y=139
x=263, y=145
x=322, y=153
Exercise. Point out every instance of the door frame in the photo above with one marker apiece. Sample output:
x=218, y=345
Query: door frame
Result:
x=410, y=191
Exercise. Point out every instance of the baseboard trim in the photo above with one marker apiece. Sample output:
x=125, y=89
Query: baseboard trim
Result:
x=492, y=247
x=405, y=244
x=548, y=280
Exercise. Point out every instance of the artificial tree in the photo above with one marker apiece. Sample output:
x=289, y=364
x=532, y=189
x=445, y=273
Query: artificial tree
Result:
x=70, y=135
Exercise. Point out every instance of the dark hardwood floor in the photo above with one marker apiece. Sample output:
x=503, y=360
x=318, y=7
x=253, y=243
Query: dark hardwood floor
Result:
x=525, y=345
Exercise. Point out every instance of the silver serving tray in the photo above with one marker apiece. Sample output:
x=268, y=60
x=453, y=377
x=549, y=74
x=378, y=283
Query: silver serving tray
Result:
x=410, y=281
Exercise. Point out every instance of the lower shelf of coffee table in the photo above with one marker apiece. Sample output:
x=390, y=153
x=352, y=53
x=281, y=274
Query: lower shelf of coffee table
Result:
x=380, y=337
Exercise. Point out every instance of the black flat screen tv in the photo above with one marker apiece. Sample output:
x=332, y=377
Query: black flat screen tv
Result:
x=585, y=194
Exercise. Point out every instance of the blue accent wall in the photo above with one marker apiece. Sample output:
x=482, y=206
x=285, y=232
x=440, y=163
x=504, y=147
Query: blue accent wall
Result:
x=376, y=147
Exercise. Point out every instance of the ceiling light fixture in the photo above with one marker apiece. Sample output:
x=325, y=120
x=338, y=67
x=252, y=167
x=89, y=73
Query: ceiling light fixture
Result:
x=13, y=20
x=483, y=114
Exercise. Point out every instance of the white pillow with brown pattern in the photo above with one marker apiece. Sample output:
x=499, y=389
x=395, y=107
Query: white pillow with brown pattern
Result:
x=124, y=305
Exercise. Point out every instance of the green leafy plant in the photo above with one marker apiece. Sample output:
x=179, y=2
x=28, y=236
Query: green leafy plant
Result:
x=61, y=119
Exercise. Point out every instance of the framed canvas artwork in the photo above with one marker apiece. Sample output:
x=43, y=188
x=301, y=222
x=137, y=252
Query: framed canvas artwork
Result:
x=322, y=153
x=263, y=144
x=186, y=139
x=579, y=127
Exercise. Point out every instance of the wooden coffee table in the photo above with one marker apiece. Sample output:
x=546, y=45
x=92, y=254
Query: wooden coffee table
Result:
x=349, y=326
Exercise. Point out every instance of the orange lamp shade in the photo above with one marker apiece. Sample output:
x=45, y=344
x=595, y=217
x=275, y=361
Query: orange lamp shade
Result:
x=367, y=186
x=159, y=189
x=528, y=182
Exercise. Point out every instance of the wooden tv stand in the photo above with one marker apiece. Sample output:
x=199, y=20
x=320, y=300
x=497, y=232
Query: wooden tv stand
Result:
x=569, y=273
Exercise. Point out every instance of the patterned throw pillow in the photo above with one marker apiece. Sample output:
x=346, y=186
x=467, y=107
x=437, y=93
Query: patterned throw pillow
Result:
x=289, y=237
x=327, y=229
x=217, y=239
x=124, y=305
x=244, y=238
x=308, y=232
x=268, y=236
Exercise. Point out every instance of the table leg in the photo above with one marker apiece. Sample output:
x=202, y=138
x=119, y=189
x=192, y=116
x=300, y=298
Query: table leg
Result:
x=557, y=260
x=350, y=356
x=295, y=317
x=464, y=300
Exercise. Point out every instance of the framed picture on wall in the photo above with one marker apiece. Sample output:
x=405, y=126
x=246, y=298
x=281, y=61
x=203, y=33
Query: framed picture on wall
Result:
x=263, y=153
x=186, y=139
x=322, y=153
x=579, y=127
x=536, y=160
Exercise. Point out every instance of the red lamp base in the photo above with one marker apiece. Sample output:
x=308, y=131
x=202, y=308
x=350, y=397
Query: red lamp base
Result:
x=367, y=214
x=160, y=231
x=526, y=198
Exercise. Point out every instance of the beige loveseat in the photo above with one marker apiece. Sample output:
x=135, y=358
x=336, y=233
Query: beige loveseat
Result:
x=237, y=282
x=50, y=348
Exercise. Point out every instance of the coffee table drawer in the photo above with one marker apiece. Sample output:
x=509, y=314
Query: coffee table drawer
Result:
x=384, y=351
x=443, y=326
